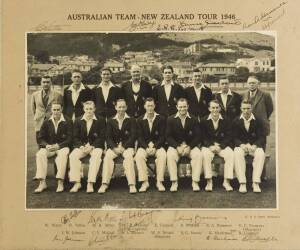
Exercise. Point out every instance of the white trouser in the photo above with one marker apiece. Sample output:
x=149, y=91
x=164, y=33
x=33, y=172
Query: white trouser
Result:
x=128, y=164
x=42, y=162
x=94, y=164
x=196, y=163
x=240, y=164
x=160, y=164
x=228, y=156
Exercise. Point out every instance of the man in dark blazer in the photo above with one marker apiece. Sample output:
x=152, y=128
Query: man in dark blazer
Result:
x=151, y=140
x=230, y=101
x=135, y=92
x=89, y=137
x=198, y=96
x=183, y=137
x=249, y=139
x=120, y=138
x=75, y=95
x=55, y=138
x=167, y=93
x=106, y=94
x=262, y=104
x=41, y=101
x=217, y=141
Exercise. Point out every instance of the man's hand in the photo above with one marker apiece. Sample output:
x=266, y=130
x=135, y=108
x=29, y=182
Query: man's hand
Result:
x=186, y=150
x=245, y=148
x=252, y=149
x=212, y=149
x=151, y=144
x=217, y=149
x=180, y=150
x=117, y=150
x=150, y=151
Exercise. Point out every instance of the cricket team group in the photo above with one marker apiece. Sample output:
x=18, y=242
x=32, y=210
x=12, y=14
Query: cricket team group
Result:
x=136, y=121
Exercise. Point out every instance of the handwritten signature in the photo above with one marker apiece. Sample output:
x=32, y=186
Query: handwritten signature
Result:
x=264, y=16
x=69, y=216
x=140, y=25
x=49, y=26
x=64, y=239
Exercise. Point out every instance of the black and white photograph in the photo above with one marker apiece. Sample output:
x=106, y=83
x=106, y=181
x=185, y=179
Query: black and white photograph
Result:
x=161, y=120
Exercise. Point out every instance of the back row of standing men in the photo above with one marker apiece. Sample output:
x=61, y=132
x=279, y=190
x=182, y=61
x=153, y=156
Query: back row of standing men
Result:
x=166, y=96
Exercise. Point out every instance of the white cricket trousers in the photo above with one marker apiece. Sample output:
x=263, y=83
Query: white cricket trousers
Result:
x=94, y=164
x=160, y=164
x=42, y=162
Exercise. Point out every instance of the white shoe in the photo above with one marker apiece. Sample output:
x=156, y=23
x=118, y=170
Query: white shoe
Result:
x=195, y=186
x=132, y=189
x=75, y=188
x=144, y=187
x=60, y=186
x=90, y=187
x=209, y=185
x=256, y=188
x=227, y=186
x=243, y=188
x=102, y=189
x=42, y=186
x=160, y=186
x=174, y=186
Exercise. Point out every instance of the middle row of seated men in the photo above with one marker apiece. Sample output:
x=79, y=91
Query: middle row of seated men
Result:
x=166, y=139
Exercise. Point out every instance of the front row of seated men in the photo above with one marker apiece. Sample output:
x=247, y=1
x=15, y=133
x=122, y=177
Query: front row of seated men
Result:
x=185, y=136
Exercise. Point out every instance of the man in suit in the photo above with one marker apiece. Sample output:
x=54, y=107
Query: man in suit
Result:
x=120, y=138
x=135, y=92
x=75, y=95
x=230, y=101
x=55, y=138
x=217, y=141
x=262, y=105
x=89, y=137
x=41, y=101
x=249, y=139
x=167, y=94
x=183, y=137
x=151, y=140
x=198, y=96
x=106, y=94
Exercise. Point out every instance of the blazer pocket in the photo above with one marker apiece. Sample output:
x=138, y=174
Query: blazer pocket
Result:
x=126, y=132
x=190, y=132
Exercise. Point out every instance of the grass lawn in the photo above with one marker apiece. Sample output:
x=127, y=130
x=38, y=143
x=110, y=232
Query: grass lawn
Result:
x=118, y=196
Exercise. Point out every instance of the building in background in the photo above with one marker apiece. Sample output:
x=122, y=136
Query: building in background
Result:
x=255, y=64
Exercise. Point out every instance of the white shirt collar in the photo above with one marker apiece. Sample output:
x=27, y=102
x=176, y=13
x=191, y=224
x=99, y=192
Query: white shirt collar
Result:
x=202, y=86
x=228, y=93
x=210, y=117
x=73, y=89
x=84, y=117
x=110, y=85
x=126, y=116
x=145, y=116
x=164, y=83
x=187, y=115
x=62, y=118
x=251, y=117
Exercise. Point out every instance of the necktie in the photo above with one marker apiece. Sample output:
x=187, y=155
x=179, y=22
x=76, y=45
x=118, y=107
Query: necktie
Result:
x=45, y=100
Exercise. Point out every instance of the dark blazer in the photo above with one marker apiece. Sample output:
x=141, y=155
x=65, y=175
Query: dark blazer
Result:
x=221, y=135
x=262, y=108
x=63, y=137
x=198, y=108
x=126, y=135
x=106, y=109
x=96, y=135
x=84, y=95
x=136, y=108
x=253, y=136
x=233, y=105
x=176, y=134
x=164, y=107
x=157, y=134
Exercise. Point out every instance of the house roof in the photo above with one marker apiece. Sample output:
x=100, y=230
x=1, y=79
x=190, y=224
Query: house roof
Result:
x=42, y=66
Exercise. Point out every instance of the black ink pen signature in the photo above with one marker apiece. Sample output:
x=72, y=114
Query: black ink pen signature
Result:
x=255, y=238
x=140, y=25
x=64, y=239
x=69, y=216
x=47, y=26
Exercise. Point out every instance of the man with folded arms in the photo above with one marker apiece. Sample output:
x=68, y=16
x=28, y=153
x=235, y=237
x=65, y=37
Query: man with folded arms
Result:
x=217, y=141
x=151, y=139
x=55, y=138
x=183, y=138
x=249, y=139
x=89, y=137
x=120, y=138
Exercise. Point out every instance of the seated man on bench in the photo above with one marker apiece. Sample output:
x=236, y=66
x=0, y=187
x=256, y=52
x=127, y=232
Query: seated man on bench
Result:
x=249, y=139
x=89, y=137
x=217, y=140
x=183, y=138
x=120, y=138
x=54, y=138
x=151, y=139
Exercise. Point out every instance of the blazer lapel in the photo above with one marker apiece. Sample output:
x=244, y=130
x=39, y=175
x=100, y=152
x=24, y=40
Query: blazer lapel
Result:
x=219, y=98
x=100, y=93
x=229, y=99
x=83, y=124
x=146, y=125
x=257, y=98
x=51, y=98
